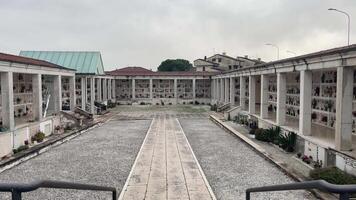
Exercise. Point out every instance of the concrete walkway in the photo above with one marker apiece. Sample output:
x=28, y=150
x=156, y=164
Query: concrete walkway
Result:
x=166, y=167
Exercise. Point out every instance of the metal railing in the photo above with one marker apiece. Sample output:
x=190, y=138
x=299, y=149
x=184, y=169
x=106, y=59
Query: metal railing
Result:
x=16, y=189
x=343, y=190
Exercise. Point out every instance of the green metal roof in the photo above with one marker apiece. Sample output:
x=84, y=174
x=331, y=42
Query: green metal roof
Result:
x=85, y=62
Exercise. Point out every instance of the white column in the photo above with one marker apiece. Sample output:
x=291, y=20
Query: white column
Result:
x=194, y=89
x=57, y=93
x=252, y=95
x=133, y=89
x=226, y=88
x=113, y=89
x=105, y=89
x=72, y=92
x=92, y=95
x=264, y=96
x=151, y=88
x=218, y=89
x=305, y=102
x=99, y=88
x=242, y=92
x=175, y=84
x=84, y=91
x=344, y=91
x=212, y=97
x=222, y=90
x=232, y=91
x=109, y=89
x=7, y=99
x=281, y=98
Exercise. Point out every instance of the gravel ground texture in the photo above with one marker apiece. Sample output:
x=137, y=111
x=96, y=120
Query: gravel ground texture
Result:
x=231, y=166
x=103, y=156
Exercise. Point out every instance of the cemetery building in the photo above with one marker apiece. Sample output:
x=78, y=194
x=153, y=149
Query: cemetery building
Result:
x=312, y=95
x=143, y=86
x=33, y=93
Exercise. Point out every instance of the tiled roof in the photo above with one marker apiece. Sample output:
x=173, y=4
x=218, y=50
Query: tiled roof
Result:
x=302, y=58
x=84, y=62
x=29, y=61
x=140, y=71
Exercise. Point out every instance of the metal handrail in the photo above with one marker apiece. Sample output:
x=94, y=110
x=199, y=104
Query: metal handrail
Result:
x=343, y=190
x=17, y=189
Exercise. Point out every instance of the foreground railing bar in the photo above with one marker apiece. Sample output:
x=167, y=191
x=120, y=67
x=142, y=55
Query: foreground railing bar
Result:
x=343, y=190
x=16, y=189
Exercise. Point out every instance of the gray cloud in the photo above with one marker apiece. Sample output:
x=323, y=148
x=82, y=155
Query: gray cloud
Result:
x=145, y=32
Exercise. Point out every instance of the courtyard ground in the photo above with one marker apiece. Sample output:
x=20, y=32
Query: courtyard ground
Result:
x=166, y=167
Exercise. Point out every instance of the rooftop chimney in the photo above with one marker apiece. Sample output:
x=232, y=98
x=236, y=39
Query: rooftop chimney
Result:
x=246, y=56
x=259, y=59
x=224, y=53
x=204, y=57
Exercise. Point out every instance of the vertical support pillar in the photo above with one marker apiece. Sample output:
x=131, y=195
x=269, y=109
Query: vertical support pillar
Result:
x=7, y=99
x=105, y=90
x=281, y=98
x=175, y=85
x=109, y=89
x=57, y=84
x=113, y=89
x=84, y=91
x=222, y=90
x=212, y=92
x=133, y=89
x=72, y=92
x=305, y=102
x=100, y=89
x=252, y=94
x=344, y=91
x=151, y=88
x=218, y=88
x=92, y=95
x=232, y=91
x=242, y=92
x=194, y=89
x=264, y=96
x=226, y=88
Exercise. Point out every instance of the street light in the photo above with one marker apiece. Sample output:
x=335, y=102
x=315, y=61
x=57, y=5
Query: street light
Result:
x=291, y=52
x=348, y=22
x=273, y=45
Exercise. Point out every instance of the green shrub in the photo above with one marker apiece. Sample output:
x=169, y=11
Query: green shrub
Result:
x=38, y=137
x=20, y=148
x=287, y=141
x=269, y=135
x=332, y=175
x=213, y=107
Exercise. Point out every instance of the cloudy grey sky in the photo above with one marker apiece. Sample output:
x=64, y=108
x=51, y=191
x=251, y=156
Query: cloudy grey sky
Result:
x=145, y=32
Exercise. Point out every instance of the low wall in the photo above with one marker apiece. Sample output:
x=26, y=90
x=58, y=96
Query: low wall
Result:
x=13, y=139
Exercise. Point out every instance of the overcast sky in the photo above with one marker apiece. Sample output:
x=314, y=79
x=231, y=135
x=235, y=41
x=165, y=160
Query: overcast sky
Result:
x=146, y=32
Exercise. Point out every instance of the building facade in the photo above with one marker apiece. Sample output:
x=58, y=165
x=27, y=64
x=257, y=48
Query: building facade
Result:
x=223, y=62
x=312, y=95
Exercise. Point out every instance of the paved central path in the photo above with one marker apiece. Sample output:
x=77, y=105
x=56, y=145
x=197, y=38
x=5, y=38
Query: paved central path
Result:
x=166, y=167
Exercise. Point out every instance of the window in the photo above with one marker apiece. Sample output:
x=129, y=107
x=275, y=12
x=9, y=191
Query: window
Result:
x=203, y=69
x=230, y=67
x=219, y=59
x=213, y=59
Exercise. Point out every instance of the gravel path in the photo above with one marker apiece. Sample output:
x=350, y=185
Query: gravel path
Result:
x=102, y=156
x=231, y=166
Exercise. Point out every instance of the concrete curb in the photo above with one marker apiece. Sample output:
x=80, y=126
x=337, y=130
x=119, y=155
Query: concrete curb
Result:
x=269, y=157
x=43, y=147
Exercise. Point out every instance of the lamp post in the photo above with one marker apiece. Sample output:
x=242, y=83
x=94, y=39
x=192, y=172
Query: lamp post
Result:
x=348, y=22
x=291, y=52
x=273, y=45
